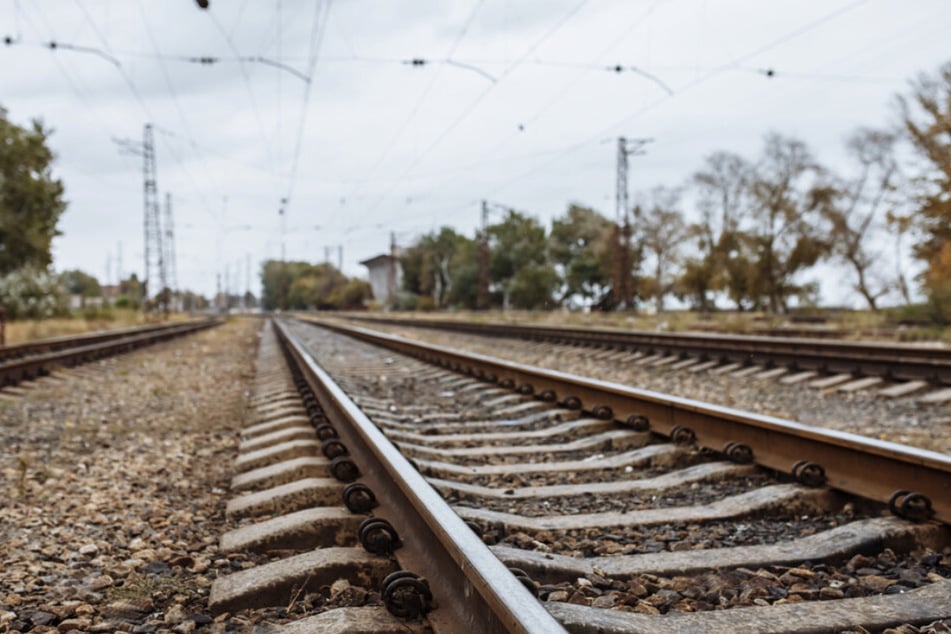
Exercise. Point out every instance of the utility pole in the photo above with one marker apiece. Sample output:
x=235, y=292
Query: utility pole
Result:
x=622, y=283
x=247, y=280
x=282, y=301
x=169, y=243
x=327, y=254
x=391, y=274
x=154, y=260
x=482, y=261
x=340, y=258
x=119, y=262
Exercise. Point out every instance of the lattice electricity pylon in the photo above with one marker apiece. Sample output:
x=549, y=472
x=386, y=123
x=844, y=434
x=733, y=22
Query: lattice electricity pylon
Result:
x=171, y=273
x=154, y=256
x=623, y=284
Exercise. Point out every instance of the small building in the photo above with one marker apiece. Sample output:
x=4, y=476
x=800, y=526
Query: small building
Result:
x=386, y=278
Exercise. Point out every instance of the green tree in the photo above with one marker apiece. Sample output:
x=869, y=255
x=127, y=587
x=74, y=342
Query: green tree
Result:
x=310, y=286
x=926, y=116
x=580, y=247
x=784, y=227
x=77, y=282
x=130, y=293
x=518, y=250
x=431, y=266
x=722, y=262
x=661, y=230
x=31, y=200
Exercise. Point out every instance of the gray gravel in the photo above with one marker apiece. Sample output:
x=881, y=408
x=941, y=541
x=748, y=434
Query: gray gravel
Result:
x=114, y=480
x=900, y=420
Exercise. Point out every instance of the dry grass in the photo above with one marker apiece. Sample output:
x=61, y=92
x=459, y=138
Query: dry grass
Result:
x=29, y=330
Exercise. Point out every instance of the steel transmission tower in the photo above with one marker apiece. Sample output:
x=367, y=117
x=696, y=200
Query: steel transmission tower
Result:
x=154, y=256
x=171, y=272
x=623, y=283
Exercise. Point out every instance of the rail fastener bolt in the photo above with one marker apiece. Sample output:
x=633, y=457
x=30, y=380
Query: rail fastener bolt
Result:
x=378, y=536
x=406, y=594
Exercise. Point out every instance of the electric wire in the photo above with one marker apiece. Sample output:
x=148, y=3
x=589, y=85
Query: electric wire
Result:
x=318, y=29
x=175, y=101
x=248, y=88
x=418, y=104
x=783, y=39
x=470, y=108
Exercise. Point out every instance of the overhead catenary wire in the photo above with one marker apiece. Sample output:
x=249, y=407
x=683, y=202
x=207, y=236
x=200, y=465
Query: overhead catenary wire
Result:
x=248, y=87
x=175, y=101
x=607, y=130
x=318, y=28
x=138, y=97
x=470, y=108
x=420, y=100
x=560, y=94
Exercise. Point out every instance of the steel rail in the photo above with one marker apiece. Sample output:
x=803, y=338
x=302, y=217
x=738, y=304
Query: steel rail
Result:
x=16, y=370
x=51, y=344
x=865, y=467
x=475, y=592
x=894, y=361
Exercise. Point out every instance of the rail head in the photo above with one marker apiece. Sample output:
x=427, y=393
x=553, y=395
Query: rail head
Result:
x=901, y=361
x=865, y=467
x=437, y=541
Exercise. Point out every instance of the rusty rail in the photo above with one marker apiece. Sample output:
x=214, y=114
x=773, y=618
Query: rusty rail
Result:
x=915, y=482
x=52, y=353
x=52, y=344
x=892, y=361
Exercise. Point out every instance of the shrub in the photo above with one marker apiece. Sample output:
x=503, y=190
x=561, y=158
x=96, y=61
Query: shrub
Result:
x=32, y=293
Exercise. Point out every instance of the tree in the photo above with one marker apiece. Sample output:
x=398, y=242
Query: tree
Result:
x=430, y=266
x=926, y=117
x=723, y=261
x=518, y=250
x=853, y=208
x=784, y=228
x=77, y=282
x=31, y=200
x=580, y=246
x=661, y=230
x=310, y=286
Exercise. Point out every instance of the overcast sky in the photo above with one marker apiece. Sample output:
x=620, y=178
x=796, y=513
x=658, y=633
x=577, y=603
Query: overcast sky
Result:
x=524, y=114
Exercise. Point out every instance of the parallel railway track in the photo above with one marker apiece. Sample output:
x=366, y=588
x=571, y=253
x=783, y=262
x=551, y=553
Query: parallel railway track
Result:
x=622, y=510
x=892, y=361
x=33, y=359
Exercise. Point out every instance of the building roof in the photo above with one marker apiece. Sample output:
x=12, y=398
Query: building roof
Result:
x=377, y=260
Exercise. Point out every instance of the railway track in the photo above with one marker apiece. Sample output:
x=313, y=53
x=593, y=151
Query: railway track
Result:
x=390, y=480
x=34, y=359
x=911, y=368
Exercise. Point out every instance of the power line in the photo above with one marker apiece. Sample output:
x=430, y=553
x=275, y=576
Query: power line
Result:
x=318, y=28
x=475, y=103
x=686, y=87
x=247, y=85
x=421, y=99
x=173, y=93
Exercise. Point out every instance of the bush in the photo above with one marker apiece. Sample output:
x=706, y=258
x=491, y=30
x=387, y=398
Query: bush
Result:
x=32, y=293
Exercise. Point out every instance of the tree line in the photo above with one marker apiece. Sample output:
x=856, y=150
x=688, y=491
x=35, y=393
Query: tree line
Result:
x=756, y=226
x=301, y=285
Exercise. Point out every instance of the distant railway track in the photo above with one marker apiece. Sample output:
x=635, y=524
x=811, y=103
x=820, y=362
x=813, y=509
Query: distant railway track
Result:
x=891, y=361
x=33, y=359
x=620, y=510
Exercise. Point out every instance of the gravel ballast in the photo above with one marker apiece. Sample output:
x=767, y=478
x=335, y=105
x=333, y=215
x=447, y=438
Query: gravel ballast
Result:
x=901, y=420
x=115, y=478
